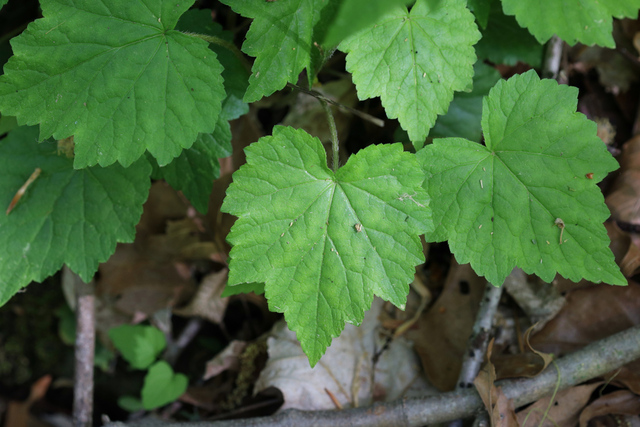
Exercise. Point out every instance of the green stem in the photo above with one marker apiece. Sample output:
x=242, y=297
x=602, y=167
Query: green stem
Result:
x=335, y=144
x=225, y=44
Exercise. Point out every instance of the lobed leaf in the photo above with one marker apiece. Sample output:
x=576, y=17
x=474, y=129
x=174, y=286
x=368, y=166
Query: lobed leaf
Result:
x=415, y=61
x=280, y=38
x=114, y=74
x=325, y=243
x=585, y=21
x=499, y=205
x=66, y=216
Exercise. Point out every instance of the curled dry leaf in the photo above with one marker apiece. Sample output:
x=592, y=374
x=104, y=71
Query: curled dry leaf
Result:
x=442, y=333
x=522, y=365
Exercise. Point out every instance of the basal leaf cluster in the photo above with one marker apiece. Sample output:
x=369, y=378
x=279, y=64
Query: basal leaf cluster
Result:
x=126, y=91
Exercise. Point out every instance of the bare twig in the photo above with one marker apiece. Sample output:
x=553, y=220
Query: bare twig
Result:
x=175, y=348
x=540, y=301
x=477, y=344
x=84, y=350
x=592, y=361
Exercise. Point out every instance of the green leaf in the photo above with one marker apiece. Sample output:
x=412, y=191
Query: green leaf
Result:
x=235, y=75
x=140, y=345
x=7, y=124
x=280, y=38
x=195, y=170
x=480, y=9
x=505, y=42
x=66, y=216
x=115, y=75
x=498, y=204
x=415, y=61
x=325, y=243
x=465, y=112
x=355, y=15
x=2, y=3
x=243, y=288
x=585, y=21
x=162, y=386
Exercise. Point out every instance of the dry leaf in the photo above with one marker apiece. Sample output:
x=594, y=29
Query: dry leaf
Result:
x=207, y=302
x=624, y=199
x=229, y=358
x=589, y=315
x=500, y=409
x=522, y=365
x=346, y=369
x=621, y=402
x=564, y=410
x=442, y=333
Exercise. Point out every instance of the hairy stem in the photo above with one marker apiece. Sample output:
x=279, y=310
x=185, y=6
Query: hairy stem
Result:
x=335, y=144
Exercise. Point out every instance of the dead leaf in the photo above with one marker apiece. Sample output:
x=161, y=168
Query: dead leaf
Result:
x=616, y=73
x=621, y=402
x=229, y=358
x=207, y=302
x=443, y=330
x=18, y=412
x=522, y=365
x=500, y=409
x=564, y=410
x=346, y=369
x=626, y=253
x=589, y=315
x=624, y=199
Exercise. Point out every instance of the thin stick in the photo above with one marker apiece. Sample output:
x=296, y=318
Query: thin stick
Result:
x=477, y=344
x=84, y=351
x=552, y=58
x=335, y=144
x=364, y=116
x=594, y=360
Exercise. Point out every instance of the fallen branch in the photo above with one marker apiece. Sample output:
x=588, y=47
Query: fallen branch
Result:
x=478, y=341
x=594, y=360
